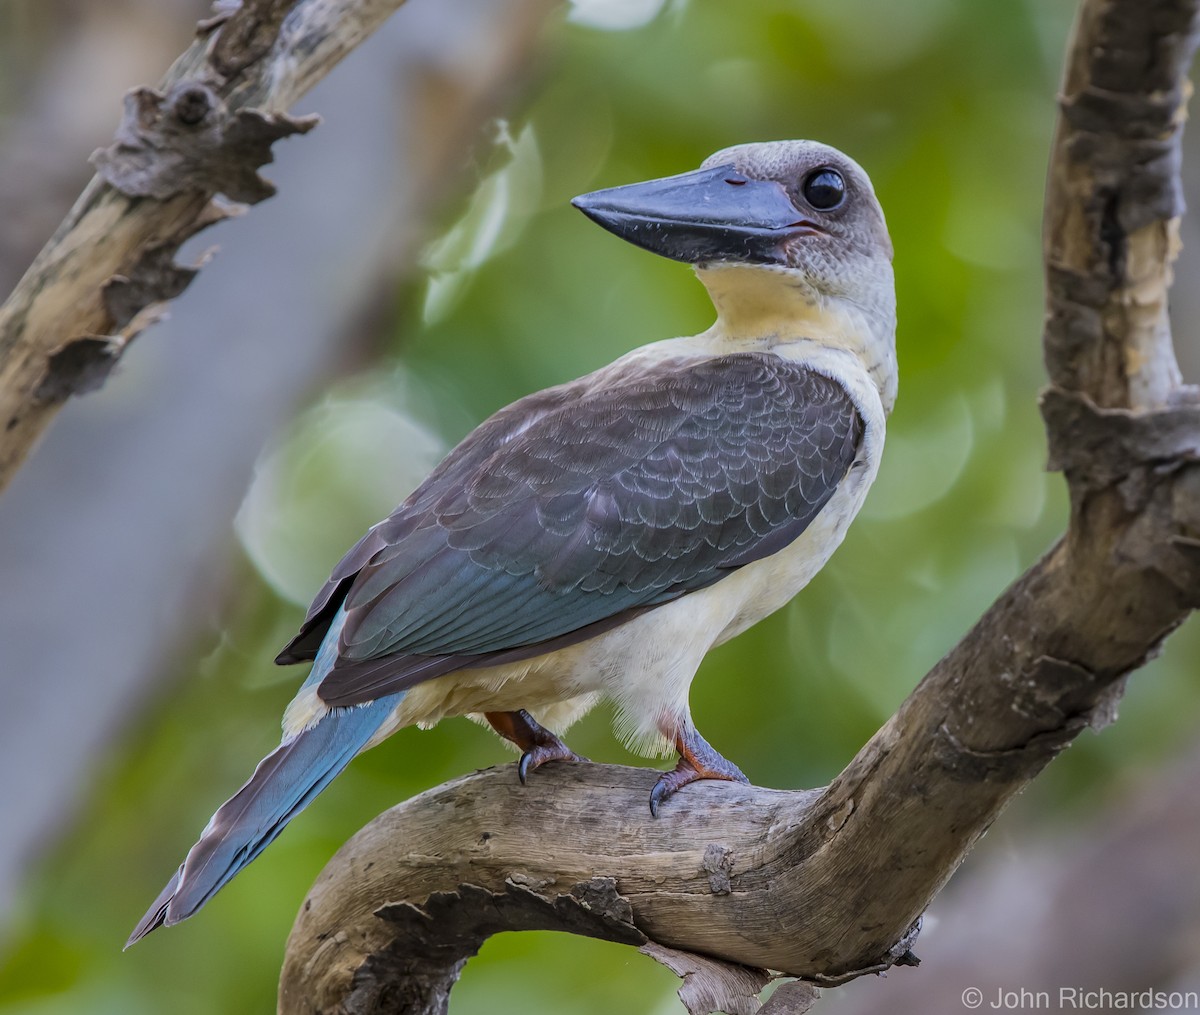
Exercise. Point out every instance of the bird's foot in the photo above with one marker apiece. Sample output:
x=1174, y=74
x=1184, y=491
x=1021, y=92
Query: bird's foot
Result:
x=538, y=745
x=538, y=756
x=697, y=760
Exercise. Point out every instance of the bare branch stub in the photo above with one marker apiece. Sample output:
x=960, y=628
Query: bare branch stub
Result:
x=189, y=140
x=248, y=35
x=713, y=985
x=831, y=884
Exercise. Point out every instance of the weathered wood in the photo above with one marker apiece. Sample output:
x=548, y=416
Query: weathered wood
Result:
x=1102, y=900
x=1114, y=200
x=829, y=884
x=109, y=267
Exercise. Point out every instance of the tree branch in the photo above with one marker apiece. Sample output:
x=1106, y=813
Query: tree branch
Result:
x=109, y=268
x=1103, y=903
x=1114, y=201
x=829, y=884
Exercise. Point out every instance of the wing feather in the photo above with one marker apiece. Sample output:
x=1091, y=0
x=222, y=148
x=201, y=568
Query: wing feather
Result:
x=575, y=509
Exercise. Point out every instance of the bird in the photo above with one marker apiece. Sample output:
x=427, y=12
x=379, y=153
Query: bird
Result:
x=596, y=539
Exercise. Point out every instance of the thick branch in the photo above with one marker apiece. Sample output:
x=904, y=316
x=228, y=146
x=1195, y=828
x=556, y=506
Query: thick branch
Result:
x=104, y=274
x=1106, y=903
x=828, y=884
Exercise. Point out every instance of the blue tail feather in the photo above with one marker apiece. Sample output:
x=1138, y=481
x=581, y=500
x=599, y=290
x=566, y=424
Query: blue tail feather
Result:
x=283, y=784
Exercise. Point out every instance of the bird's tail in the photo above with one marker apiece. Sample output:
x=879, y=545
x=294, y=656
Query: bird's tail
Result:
x=283, y=784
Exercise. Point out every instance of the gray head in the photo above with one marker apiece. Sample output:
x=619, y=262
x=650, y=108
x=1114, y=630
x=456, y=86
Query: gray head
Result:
x=797, y=206
x=787, y=236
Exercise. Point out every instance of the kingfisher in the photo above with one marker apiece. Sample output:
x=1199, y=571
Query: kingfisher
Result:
x=596, y=539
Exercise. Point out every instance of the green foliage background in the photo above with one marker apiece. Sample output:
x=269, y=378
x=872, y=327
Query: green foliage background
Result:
x=949, y=106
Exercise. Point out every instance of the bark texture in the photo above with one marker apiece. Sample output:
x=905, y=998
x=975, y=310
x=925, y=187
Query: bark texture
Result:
x=1102, y=901
x=829, y=884
x=186, y=155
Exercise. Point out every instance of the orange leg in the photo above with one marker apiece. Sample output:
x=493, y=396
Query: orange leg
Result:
x=697, y=760
x=538, y=745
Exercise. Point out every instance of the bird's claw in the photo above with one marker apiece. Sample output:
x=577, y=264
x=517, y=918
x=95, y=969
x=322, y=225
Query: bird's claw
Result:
x=669, y=783
x=537, y=756
x=697, y=760
x=537, y=744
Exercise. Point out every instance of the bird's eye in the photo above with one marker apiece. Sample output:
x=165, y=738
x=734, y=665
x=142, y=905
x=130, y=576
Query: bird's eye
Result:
x=825, y=189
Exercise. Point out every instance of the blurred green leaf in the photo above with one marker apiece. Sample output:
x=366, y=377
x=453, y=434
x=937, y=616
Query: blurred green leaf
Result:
x=343, y=465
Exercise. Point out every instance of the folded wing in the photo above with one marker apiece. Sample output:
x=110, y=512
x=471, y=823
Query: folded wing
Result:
x=573, y=510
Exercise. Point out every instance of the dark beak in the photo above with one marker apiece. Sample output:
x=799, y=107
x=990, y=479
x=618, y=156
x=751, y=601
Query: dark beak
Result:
x=715, y=214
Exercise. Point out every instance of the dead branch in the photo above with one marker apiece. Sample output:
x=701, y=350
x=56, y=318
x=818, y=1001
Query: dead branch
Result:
x=109, y=269
x=831, y=883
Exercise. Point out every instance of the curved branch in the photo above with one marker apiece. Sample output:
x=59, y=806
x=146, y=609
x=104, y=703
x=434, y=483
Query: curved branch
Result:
x=108, y=269
x=829, y=884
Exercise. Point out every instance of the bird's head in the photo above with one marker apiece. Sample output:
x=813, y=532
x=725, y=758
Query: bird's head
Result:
x=784, y=234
